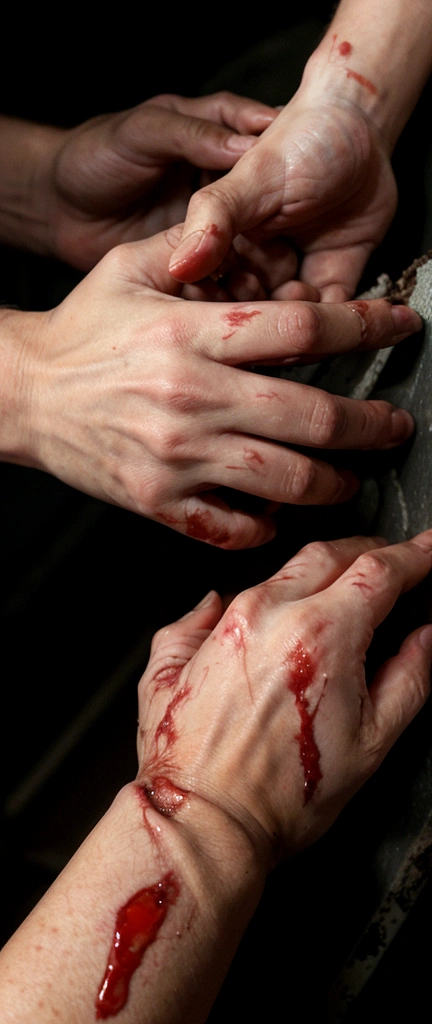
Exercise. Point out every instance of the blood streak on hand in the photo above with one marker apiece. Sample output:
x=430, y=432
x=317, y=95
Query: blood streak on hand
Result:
x=238, y=318
x=302, y=672
x=362, y=81
x=199, y=524
x=345, y=48
x=136, y=927
x=166, y=726
x=362, y=310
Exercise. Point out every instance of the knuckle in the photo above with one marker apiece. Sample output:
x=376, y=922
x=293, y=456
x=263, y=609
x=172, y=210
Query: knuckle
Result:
x=299, y=480
x=328, y=420
x=373, y=568
x=244, y=607
x=303, y=327
x=167, y=443
x=320, y=551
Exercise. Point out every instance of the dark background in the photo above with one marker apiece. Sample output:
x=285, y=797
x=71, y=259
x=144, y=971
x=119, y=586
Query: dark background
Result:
x=83, y=585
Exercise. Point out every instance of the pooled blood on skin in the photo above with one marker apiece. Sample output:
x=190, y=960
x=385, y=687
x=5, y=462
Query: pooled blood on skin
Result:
x=164, y=796
x=238, y=318
x=136, y=928
x=362, y=81
x=199, y=524
x=345, y=48
x=302, y=672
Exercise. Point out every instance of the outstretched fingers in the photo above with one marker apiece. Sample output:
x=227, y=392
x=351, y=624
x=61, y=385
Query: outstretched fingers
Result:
x=319, y=564
x=371, y=586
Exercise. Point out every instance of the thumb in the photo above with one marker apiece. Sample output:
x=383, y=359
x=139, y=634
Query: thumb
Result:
x=145, y=262
x=216, y=214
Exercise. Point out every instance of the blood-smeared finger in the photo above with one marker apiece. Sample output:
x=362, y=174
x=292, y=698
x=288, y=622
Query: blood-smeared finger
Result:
x=302, y=332
x=208, y=518
x=216, y=214
x=282, y=475
x=368, y=590
x=317, y=565
x=400, y=688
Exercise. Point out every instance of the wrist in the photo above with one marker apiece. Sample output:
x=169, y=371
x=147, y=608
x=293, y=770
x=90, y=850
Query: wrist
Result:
x=18, y=347
x=27, y=154
x=380, y=73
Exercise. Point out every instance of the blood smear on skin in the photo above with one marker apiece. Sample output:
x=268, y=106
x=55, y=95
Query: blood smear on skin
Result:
x=301, y=675
x=136, y=927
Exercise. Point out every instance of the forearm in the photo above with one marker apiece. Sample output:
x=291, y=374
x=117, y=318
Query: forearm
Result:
x=209, y=879
x=18, y=353
x=26, y=155
x=378, y=55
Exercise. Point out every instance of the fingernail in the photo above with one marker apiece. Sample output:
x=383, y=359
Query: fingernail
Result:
x=402, y=425
x=187, y=247
x=206, y=600
x=240, y=143
x=406, y=320
x=425, y=639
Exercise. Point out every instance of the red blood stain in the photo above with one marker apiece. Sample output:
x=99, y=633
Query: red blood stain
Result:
x=361, y=308
x=166, y=726
x=362, y=586
x=269, y=394
x=171, y=520
x=167, y=677
x=302, y=672
x=136, y=927
x=214, y=230
x=345, y=49
x=251, y=456
x=164, y=796
x=362, y=81
x=199, y=524
x=238, y=318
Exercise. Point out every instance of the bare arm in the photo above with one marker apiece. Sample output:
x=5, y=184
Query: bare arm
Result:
x=252, y=738
x=76, y=193
x=320, y=177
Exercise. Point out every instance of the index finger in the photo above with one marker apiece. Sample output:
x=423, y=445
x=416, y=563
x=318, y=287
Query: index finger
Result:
x=371, y=586
x=300, y=331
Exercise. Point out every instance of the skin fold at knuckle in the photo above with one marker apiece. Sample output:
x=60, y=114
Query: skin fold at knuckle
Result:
x=301, y=327
x=298, y=482
x=328, y=421
x=371, y=572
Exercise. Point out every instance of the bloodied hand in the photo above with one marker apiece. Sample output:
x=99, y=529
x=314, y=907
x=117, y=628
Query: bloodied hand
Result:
x=269, y=716
x=142, y=398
